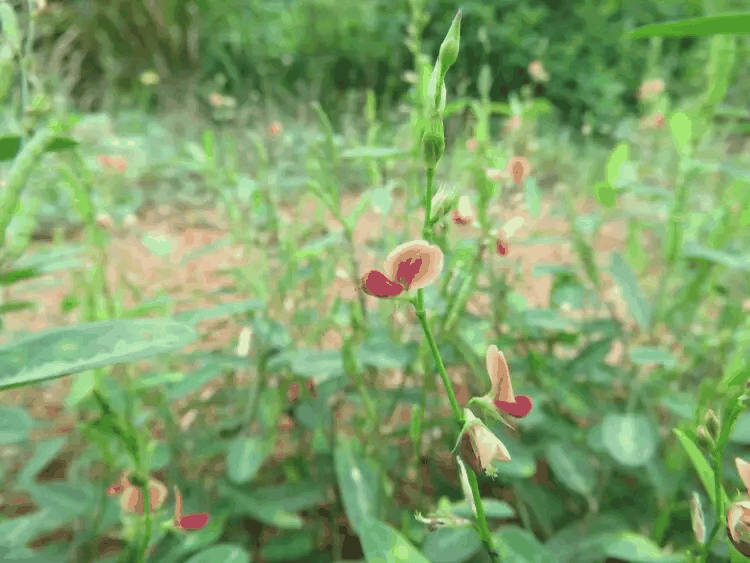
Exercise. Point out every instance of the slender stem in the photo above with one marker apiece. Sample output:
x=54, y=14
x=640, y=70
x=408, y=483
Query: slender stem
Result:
x=27, y=54
x=484, y=530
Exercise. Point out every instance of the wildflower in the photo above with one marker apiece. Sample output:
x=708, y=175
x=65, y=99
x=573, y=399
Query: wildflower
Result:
x=696, y=518
x=651, y=89
x=104, y=220
x=188, y=522
x=216, y=100
x=472, y=144
x=275, y=129
x=653, y=121
x=501, y=236
x=149, y=78
x=514, y=123
x=117, y=163
x=518, y=168
x=132, y=496
x=738, y=516
x=243, y=346
x=465, y=212
x=537, y=71
x=500, y=395
x=586, y=129
x=485, y=446
x=412, y=265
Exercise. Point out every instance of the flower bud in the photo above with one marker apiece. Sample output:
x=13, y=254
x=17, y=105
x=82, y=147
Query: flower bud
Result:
x=449, y=48
x=433, y=142
x=443, y=202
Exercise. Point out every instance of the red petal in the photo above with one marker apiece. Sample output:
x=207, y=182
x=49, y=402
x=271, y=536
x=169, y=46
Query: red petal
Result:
x=519, y=409
x=502, y=247
x=377, y=284
x=407, y=270
x=114, y=490
x=193, y=521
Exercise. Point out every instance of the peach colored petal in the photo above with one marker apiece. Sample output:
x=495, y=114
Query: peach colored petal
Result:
x=743, y=469
x=487, y=446
x=415, y=264
x=519, y=168
x=132, y=498
x=465, y=212
x=497, y=368
x=177, y=505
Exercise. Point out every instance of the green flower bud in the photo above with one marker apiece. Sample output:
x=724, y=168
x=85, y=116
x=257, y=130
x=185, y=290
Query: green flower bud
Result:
x=433, y=142
x=443, y=202
x=449, y=48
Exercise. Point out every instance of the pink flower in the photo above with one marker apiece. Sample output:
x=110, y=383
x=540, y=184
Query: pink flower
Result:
x=537, y=72
x=464, y=215
x=501, y=392
x=514, y=123
x=650, y=89
x=485, y=446
x=502, y=247
x=132, y=497
x=472, y=144
x=653, y=121
x=738, y=516
x=187, y=522
x=412, y=265
x=275, y=129
x=518, y=168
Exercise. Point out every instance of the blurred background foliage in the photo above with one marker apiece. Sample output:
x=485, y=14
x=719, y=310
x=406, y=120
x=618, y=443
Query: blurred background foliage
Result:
x=319, y=49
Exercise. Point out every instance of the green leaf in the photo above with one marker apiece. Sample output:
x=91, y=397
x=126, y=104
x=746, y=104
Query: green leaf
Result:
x=245, y=458
x=618, y=157
x=159, y=245
x=382, y=544
x=289, y=547
x=681, y=128
x=358, y=481
x=634, y=547
x=721, y=257
x=44, y=453
x=292, y=497
x=68, y=350
x=702, y=467
x=645, y=355
x=222, y=553
x=15, y=424
x=19, y=531
x=629, y=439
x=606, y=194
x=268, y=512
x=493, y=508
x=547, y=319
x=67, y=501
x=451, y=545
x=384, y=353
x=738, y=22
x=11, y=144
x=224, y=310
x=572, y=467
x=741, y=432
x=631, y=291
x=319, y=364
x=533, y=199
x=521, y=546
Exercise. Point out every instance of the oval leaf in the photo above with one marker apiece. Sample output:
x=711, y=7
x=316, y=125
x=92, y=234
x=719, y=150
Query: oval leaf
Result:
x=358, y=482
x=451, y=545
x=629, y=439
x=222, y=553
x=69, y=350
x=572, y=467
x=631, y=290
x=246, y=455
x=383, y=544
x=15, y=424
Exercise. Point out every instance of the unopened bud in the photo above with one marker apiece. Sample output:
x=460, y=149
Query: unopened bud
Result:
x=449, y=48
x=433, y=142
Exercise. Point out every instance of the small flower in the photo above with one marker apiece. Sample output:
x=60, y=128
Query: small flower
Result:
x=501, y=391
x=412, y=265
x=738, y=516
x=472, y=144
x=586, y=129
x=653, y=121
x=187, y=522
x=651, y=89
x=117, y=163
x=104, y=220
x=243, y=346
x=502, y=247
x=537, y=71
x=132, y=496
x=514, y=123
x=216, y=100
x=697, y=519
x=149, y=78
x=275, y=129
x=484, y=444
x=464, y=215
x=518, y=168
